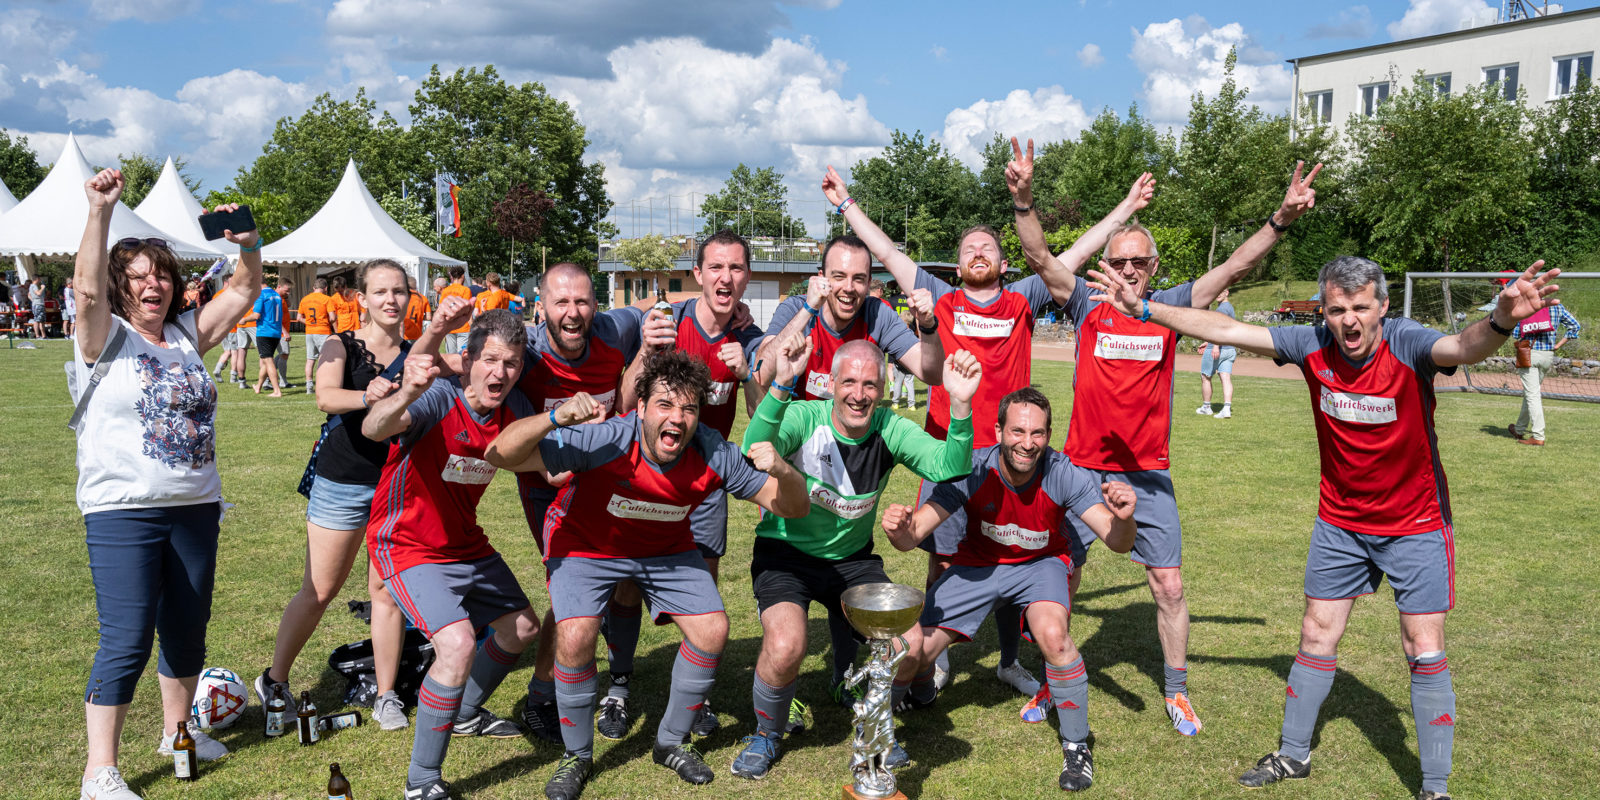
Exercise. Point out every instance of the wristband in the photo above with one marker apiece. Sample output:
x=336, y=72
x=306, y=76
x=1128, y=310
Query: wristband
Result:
x=364, y=394
x=1021, y=209
x=259, y=242
x=815, y=312
x=553, y=418
x=1495, y=326
x=1273, y=223
x=846, y=203
x=1146, y=316
x=789, y=389
x=931, y=329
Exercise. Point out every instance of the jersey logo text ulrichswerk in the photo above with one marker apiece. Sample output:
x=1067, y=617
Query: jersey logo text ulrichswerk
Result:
x=981, y=327
x=1357, y=407
x=1015, y=535
x=473, y=471
x=845, y=508
x=1128, y=348
x=628, y=508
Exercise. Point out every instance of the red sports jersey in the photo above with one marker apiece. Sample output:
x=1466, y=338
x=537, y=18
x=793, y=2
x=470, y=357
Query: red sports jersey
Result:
x=1013, y=525
x=425, y=509
x=1122, y=391
x=1380, y=469
x=1000, y=335
x=722, y=398
x=818, y=378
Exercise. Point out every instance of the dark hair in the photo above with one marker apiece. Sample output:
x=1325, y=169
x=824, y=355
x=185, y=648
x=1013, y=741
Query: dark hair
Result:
x=1027, y=395
x=321, y=284
x=676, y=371
x=502, y=325
x=283, y=280
x=339, y=283
x=367, y=267
x=848, y=240
x=514, y=287
x=162, y=260
x=1352, y=274
x=723, y=237
x=457, y=272
x=985, y=230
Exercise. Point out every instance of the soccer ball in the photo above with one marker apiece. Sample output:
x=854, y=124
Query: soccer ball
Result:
x=219, y=699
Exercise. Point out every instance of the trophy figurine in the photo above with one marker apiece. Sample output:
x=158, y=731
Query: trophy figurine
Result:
x=882, y=612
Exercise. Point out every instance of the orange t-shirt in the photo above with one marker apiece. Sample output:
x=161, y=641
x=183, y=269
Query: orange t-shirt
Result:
x=461, y=291
x=416, y=311
x=347, y=312
x=314, y=310
x=491, y=299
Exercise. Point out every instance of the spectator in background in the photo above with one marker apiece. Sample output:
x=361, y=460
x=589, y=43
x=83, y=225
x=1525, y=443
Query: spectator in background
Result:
x=438, y=286
x=36, y=295
x=268, y=312
x=69, y=309
x=343, y=308
x=456, y=339
x=1217, y=360
x=519, y=304
x=417, y=311
x=313, y=314
x=491, y=298
x=902, y=382
x=19, y=295
x=281, y=360
x=1536, y=336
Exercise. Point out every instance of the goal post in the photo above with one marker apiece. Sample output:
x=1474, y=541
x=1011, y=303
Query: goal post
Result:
x=1450, y=301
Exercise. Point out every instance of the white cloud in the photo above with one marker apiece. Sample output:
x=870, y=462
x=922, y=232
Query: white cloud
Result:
x=1425, y=17
x=1182, y=57
x=1089, y=57
x=940, y=53
x=1045, y=115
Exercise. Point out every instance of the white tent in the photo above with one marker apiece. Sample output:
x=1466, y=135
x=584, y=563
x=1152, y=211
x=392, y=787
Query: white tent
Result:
x=49, y=221
x=8, y=200
x=170, y=207
x=351, y=228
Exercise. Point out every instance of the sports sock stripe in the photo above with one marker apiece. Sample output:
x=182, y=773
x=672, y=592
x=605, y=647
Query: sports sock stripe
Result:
x=697, y=657
x=1316, y=662
x=1419, y=668
x=500, y=656
x=579, y=675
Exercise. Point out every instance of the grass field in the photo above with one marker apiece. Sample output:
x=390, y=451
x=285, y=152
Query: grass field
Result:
x=1522, y=638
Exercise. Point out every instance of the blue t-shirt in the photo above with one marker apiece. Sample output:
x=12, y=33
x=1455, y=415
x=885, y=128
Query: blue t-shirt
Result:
x=270, y=306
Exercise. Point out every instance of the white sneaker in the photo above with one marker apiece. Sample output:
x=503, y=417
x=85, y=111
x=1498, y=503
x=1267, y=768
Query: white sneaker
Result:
x=205, y=747
x=1227, y=411
x=107, y=784
x=1018, y=677
x=1204, y=410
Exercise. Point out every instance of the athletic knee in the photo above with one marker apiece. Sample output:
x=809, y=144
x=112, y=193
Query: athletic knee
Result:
x=709, y=632
x=453, y=648
x=1167, y=587
x=784, y=648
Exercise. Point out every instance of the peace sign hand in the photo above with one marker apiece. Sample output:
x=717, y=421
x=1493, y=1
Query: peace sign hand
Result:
x=1300, y=197
x=1019, y=173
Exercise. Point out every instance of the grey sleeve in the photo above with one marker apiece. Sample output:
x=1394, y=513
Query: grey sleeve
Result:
x=1227, y=308
x=1034, y=288
x=1180, y=295
x=427, y=411
x=784, y=313
x=1295, y=342
x=1413, y=345
x=1077, y=307
x=626, y=333
x=1072, y=487
x=520, y=405
x=739, y=475
x=935, y=287
x=885, y=327
x=749, y=338
x=952, y=496
x=580, y=447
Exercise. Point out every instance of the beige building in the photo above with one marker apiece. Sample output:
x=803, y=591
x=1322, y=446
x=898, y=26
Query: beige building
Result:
x=1540, y=54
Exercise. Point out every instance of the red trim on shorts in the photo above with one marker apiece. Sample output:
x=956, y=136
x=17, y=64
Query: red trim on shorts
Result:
x=1347, y=597
x=666, y=616
x=1450, y=561
x=404, y=598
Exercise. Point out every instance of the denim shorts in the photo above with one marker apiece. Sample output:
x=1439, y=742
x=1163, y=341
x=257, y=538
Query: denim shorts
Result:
x=339, y=506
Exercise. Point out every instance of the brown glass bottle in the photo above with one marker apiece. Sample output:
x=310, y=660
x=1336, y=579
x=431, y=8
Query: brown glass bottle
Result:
x=276, y=710
x=306, y=720
x=338, y=785
x=184, y=762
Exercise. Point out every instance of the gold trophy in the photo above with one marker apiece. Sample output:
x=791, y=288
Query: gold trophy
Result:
x=882, y=612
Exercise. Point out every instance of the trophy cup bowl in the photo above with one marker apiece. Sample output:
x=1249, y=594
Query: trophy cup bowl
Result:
x=881, y=610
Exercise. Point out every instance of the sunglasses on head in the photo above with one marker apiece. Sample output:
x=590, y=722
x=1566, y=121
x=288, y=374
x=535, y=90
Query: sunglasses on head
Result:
x=133, y=241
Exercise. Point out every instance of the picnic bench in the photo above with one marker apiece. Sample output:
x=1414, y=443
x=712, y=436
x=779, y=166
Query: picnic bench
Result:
x=1299, y=312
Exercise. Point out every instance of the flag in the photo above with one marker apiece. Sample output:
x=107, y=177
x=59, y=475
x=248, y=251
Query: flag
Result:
x=445, y=200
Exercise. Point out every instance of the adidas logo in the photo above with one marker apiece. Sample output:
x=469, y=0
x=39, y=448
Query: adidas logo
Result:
x=1289, y=690
x=443, y=728
x=1067, y=704
x=763, y=714
x=1325, y=374
x=461, y=436
x=568, y=722
x=988, y=508
x=1444, y=719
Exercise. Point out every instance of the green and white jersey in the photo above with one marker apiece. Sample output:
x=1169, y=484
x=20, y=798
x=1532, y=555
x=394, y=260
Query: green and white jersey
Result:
x=845, y=476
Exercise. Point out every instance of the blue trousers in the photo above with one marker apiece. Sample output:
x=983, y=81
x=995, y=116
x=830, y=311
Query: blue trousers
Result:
x=153, y=571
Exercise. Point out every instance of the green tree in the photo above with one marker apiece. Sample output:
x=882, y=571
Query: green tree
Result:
x=492, y=135
x=1565, y=181
x=994, y=199
x=753, y=202
x=306, y=157
x=1441, y=178
x=408, y=211
x=652, y=253
x=19, y=166
x=917, y=176
x=140, y=173
x=1107, y=157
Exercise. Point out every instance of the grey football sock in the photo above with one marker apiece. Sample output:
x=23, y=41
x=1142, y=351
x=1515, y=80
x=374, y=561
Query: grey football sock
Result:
x=490, y=666
x=1433, y=706
x=772, y=706
x=1069, y=690
x=1309, y=681
x=692, y=675
x=541, y=692
x=575, y=696
x=436, y=713
x=1177, y=679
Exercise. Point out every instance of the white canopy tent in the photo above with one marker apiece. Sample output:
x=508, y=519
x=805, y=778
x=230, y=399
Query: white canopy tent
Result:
x=48, y=223
x=349, y=229
x=8, y=200
x=170, y=207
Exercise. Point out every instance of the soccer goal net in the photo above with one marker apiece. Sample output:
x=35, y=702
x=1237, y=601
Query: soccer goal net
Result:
x=1451, y=301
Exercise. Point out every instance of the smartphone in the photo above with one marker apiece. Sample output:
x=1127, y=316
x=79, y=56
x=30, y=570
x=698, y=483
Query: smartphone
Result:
x=238, y=221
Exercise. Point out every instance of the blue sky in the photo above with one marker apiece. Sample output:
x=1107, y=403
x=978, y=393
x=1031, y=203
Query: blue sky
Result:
x=673, y=93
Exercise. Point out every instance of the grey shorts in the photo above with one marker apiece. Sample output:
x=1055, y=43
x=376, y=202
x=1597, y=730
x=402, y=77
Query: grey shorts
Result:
x=436, y=595
x=314, y=342
x=709, y=524
x=1159, y=542
x=1421, y=567
x=455, y=342
x=964, y=595
x=673, y=585
x=235, y=341
x=339, y=506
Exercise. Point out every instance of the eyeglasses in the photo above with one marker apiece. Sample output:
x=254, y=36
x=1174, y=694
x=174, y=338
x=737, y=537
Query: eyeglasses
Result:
x=1138, y=263
x=133, y=241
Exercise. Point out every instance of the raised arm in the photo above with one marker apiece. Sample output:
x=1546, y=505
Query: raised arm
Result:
x=1112, y=518
x=451, y=313
x=816, y=288
x=1296, y=201
x=390, y=417
x=899, y=264
x=238, y=294
x=906, y=528
x=517, y=447
x=89, y=276
x=659, y=334
x=1519, y=300
x=925, y=359
x=1198, y=323
x=784, y=493
x=789, y=360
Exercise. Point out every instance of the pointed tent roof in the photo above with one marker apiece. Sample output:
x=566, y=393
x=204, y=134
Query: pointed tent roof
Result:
x=8, y=200
x=349, y=229
x=170, y=207
x=50, y=220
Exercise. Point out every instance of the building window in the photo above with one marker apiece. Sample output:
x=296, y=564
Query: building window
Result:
x=1372, y=96
x=1567, y=70
x=675, y=284
x=1319, y=106
x=1506, y=76
x=1441, y=82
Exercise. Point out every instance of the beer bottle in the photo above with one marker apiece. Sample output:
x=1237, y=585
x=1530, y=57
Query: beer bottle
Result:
x=338, y=786
x=340, y=721
x=184, y=762
x=276, y=711
x=307, y=719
